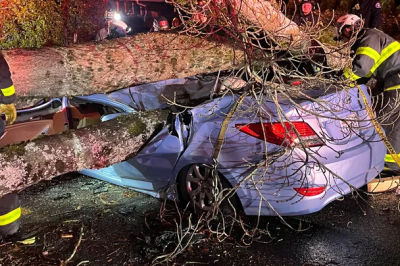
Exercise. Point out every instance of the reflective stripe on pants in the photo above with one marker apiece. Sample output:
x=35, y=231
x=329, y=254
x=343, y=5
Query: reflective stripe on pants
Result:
x=10, y=217
x=388, y=110
x=389, y=158
x=10, y=214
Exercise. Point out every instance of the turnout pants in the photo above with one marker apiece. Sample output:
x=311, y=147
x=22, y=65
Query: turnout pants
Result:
x=388, y=114
x=10, y=213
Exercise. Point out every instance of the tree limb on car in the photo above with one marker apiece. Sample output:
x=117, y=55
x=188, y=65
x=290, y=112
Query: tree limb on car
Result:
x=109, y=65
x=25, y=164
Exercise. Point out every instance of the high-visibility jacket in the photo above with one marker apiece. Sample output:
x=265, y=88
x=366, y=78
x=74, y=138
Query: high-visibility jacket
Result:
x=377, y=55
x=7, y=90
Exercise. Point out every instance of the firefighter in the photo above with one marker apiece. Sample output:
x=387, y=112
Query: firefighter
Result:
x=305, y=16
x=102, y=34
x=10, y=211
x=161, y=23
x=369, y=11
x=377, y=55
x=109, y=14
x=109, y=17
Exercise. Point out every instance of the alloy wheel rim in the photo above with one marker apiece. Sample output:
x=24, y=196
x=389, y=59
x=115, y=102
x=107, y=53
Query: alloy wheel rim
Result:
x=200, y=187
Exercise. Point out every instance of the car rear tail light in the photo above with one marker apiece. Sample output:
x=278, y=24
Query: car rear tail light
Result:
x=310, y=191
x=283, y=133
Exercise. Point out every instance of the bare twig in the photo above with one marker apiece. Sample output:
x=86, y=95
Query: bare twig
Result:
x=64, y=263
x=5, y=244
x=83, y=262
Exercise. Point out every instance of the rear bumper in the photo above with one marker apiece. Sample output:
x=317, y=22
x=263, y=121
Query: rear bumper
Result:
x=276, y=195
x=306, y=205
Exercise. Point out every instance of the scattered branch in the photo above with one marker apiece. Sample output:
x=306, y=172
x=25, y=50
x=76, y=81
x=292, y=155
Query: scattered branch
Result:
x=64, y=263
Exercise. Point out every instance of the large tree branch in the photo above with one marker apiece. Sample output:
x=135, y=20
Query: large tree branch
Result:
x=113, y=64
x=267, y=16
x=111, y=142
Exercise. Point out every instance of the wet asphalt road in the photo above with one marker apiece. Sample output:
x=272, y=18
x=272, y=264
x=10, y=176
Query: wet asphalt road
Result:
x=346, y=232
x=349, y=232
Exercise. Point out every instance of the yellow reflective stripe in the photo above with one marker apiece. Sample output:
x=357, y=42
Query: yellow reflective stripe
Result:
x=350, y=75
x=10, y=217
x=386, y=53
x=393, y=88
x=8, y=91
x=368, y=51
x=389, y=158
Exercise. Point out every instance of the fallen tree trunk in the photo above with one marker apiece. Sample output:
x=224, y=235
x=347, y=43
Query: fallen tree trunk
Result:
x=111, y=142
x=114, y=64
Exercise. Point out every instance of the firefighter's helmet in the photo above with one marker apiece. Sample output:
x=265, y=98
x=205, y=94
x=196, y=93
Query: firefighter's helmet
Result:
x=351, y=20
x=301, y=2
x=163, y=23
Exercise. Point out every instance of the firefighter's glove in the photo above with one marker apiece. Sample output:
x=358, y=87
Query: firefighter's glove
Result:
x=10, y=112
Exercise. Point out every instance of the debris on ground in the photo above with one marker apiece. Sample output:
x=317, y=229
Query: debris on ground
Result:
x=100, y=189
x=28, y=241
x=61, y=196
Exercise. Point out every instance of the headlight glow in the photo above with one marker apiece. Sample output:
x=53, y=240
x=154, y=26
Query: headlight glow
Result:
x=117, y=16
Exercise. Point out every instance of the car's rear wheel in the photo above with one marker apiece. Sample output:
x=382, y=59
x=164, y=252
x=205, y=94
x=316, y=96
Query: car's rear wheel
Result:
x=198, y=186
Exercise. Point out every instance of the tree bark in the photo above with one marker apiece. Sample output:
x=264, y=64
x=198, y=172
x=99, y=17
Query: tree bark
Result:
x=267, y=16
x=111, y=142
x=114, y=64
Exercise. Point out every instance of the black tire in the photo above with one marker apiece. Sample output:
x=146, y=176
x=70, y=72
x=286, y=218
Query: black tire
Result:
x=229, y=206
